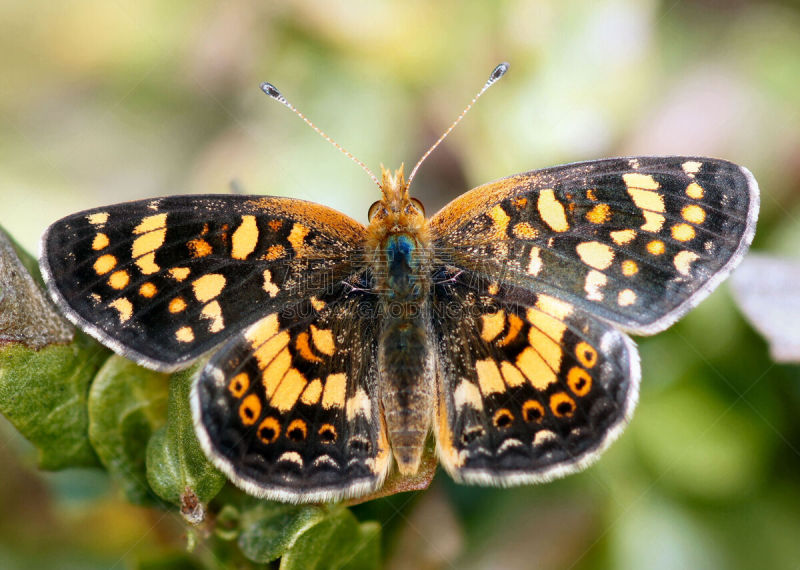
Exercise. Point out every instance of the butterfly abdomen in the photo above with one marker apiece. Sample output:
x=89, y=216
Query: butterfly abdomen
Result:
x=406, y=369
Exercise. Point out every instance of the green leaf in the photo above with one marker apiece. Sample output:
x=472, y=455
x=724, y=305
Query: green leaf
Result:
x=45, y=367
x=338, y=541
x=175, y=460
x=127, y=403
x=43, y=393
x=270, y=529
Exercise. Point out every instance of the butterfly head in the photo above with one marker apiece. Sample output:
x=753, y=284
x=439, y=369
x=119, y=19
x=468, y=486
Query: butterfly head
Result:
x=396, y=211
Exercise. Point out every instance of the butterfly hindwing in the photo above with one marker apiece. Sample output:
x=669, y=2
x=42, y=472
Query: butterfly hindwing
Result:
x=637, y=241
x=529, y=386
x=165, y=280
x=288, y=409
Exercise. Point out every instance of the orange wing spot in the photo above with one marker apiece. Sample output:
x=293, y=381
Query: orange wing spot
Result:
x=250, y=409
x=304, y=349
x=534, y=261
x=275, y=225
x=683, y=232
x=595, y=281
x=562, y=405
x=199, y=247
x=511, y=374
x=629, y=268
x=289, y=390
x=119, y=279
x=524, y=230
x=335, y=392
x=532, y=411
x=595, y=254
x=626, y=298
x=208, y=286
x=272, y=375
x=683, y=261
x=514, y=326
x=151, y=223
x=148, y=290
x=239, y=385
x=297, y=430
x=586, y=354
x=245, y=238
x=552, y=211
x=312, y=393
x=489, y=378
x=97, y=219
x=499, y=222
x=184, y=334
x=213, y=313
x=147, y=263
x=655, y=247
x=323, y=340
x=492, y=325
x=296, y=238
x=553, y=307
x=100, y=241
x=519, y=203
x=539, y=374
x=261, y=331
x=148, y=242
x=600, y=214
x=694, y=214
x=327, y=433
x=269, y=287
x=579, y=381
x=691, y=167
x=179, y=273
x=695, y=191
x=590, y=193
x=274, y=252
x=549, y=325
x=125, y=308
x=269, y=429
x=317, y=304
x=653, y=222
x=623, y=237
x=104, y=264
x=503, y=418
x=177, y=305
x=493, y=288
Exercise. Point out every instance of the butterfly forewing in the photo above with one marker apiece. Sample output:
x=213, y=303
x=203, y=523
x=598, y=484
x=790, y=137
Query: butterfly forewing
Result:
x=163, y=281
x=637, y=241
x=288, y=409
x=530, y=386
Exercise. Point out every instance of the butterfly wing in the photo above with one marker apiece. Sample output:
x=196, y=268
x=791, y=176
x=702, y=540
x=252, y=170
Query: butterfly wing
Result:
x=638, y=241
x=289, y=410
x=163, y=281
x=529, y=386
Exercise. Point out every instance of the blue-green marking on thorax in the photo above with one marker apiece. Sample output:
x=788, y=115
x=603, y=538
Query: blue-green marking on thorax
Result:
x=402, y=266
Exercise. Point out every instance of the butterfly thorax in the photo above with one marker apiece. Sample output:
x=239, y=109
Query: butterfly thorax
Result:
x=398, y=249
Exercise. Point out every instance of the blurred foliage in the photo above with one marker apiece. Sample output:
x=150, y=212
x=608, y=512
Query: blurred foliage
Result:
x=109, y=101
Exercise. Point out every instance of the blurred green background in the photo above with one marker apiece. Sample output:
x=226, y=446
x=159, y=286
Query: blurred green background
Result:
x=104, y=101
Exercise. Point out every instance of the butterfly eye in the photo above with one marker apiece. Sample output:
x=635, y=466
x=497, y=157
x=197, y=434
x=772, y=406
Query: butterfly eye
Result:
x=375, y=209
x=415, y=205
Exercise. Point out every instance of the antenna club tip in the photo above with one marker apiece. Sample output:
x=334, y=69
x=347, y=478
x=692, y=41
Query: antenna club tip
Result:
x=499, y=71
x=271, y=90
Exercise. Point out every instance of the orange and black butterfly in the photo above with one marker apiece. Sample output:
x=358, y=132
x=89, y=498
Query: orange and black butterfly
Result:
x=496, y=324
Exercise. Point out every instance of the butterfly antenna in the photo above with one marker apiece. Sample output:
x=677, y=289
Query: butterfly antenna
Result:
x=496, y=74
x=273, y=92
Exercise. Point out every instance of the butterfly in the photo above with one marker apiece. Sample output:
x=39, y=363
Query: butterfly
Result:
x=496, y=325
